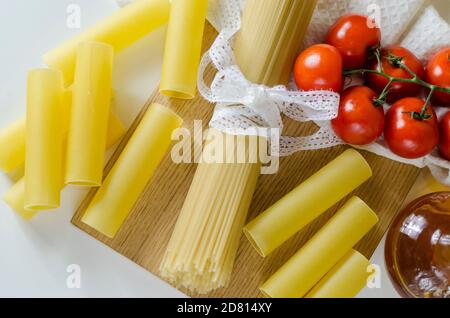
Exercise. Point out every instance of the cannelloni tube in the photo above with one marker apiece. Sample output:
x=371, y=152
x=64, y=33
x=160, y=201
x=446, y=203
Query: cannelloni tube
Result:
x=132, y=171
x=116, y=130
x=15, y=196
x=44, y=139
x=307, y=201
x=120, y=30
x=183, y=48
x=13, y=137
x=91, y=99
x=12, y=149
x=323, y=251
x=345, y=280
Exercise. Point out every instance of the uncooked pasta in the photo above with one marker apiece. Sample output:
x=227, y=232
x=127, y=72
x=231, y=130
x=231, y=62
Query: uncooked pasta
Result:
x=203, y=246
x=202, y=249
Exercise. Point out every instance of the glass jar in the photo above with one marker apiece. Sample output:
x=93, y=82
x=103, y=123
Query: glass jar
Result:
x=417, y=249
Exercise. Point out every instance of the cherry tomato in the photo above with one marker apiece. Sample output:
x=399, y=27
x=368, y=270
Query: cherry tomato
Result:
x=359, y=121
x=397, y=90
x=438, y=73
x=319, y=68
x=408, y=136
x=444, y=136
x=353, y=37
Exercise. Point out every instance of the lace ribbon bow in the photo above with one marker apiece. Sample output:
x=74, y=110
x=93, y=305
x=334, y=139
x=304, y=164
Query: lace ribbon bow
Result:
x=241, y=105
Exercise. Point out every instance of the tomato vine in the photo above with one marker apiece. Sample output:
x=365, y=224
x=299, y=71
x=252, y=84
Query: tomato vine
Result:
x=397, y=61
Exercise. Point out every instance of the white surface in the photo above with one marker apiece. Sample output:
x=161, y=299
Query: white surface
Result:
x=34, y=256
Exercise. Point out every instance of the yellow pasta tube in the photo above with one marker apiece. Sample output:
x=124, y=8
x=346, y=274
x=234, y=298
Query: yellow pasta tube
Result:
x=91, y=99
x=12, y=138
x=345, y=280
x=120, y=30
x=183, y=48
x=12, y=149
x=307, y=201
x=15, y=196
x=132, y=171
x=116, y=130
x=303, y=270
x=44, y=139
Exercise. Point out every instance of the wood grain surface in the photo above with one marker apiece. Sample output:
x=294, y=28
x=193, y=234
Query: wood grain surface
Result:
x=144, y=235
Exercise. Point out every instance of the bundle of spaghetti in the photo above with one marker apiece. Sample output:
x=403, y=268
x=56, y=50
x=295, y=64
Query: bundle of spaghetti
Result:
x=202, y=249
x=271, y=36
x=201, y=252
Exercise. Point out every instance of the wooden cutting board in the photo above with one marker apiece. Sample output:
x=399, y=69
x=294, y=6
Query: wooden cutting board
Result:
x=145, y=234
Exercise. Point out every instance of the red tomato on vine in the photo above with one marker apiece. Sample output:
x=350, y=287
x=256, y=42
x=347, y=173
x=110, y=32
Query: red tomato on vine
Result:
x=411, y=132
x=438, y=73
x=353, y=37
x=390, y=57
x=444, y=136
x=319, y=67
x=359, y=121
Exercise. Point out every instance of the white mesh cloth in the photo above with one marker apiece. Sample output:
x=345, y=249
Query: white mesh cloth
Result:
x=241, y=104
x=430, y=34
x=393, y=16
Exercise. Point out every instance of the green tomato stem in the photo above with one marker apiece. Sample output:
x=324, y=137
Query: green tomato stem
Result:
x=398, y=62
x=414, y=80
x=382, y=98
x=399, y=80
x=423, y=112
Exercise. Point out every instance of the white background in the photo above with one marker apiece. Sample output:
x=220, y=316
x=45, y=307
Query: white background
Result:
x=34, y=255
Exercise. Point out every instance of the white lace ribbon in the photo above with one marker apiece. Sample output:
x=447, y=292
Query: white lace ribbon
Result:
x=241, y=105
